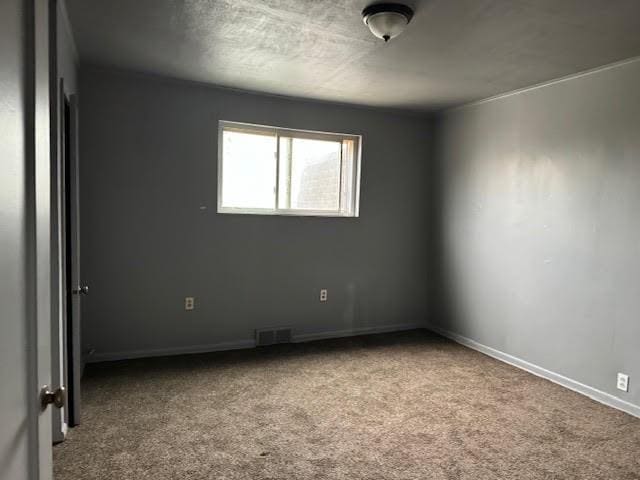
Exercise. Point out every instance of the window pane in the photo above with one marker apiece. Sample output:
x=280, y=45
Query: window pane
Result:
x=309, y=174
x=249, y=170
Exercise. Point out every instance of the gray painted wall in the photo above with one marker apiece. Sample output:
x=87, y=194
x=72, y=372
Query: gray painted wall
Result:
x=540, y=250
x=67, y=55
x=151, y=234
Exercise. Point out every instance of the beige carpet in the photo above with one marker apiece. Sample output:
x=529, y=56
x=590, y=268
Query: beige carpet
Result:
x=398, y=406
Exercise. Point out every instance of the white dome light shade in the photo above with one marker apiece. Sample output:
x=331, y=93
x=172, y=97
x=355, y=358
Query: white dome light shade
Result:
x=387, y=20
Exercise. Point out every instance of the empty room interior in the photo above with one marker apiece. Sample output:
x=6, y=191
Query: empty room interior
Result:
x=320, y=239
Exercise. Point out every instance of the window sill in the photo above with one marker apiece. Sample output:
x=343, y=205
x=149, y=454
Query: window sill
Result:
x=285, y=213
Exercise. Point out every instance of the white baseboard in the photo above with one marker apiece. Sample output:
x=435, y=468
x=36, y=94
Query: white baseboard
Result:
x=352, y=332
x=166, y=352
x=591, y=392
x=249, y=343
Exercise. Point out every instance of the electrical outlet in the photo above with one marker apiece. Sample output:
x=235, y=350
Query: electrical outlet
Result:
x=323, y=295
x=189, y=303
x=623, y=382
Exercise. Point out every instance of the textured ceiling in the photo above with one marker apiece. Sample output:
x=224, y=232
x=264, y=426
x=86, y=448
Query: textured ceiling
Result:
x=454, y=51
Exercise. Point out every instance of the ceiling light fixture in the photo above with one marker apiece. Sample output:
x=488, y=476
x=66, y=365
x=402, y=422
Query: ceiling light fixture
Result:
x=387, y=20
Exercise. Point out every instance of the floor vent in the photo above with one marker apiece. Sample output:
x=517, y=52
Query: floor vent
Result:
x=272, y=336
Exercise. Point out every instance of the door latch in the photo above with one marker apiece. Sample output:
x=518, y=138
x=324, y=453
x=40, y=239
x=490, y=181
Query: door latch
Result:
x=56, y=397
x=83, y=290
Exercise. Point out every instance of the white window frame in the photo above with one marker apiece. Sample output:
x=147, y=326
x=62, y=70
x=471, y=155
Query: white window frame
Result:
x=354, y=209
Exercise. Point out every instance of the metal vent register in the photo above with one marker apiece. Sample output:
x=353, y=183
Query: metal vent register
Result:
x=272, y=336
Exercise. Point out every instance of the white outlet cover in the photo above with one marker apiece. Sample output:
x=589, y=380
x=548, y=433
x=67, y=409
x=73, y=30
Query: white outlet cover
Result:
x=323, y=295
x=623, y=382
x=189, y=303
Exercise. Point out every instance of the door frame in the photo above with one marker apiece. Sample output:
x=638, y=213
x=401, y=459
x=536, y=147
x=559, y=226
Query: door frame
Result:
x=70, y=231
x=25, y=435
x=38, y=222
x=59, y=422
x=65, y=339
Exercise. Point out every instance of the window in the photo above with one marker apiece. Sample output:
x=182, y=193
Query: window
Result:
x=276, y=171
